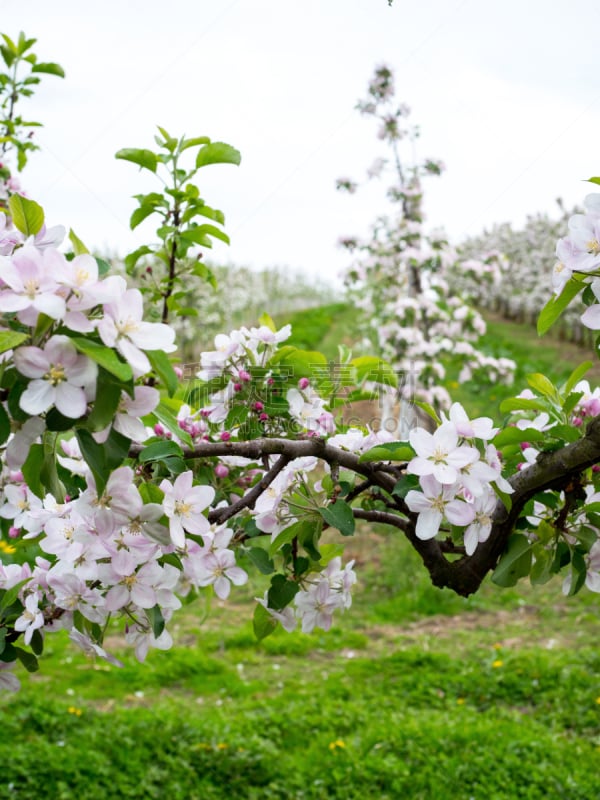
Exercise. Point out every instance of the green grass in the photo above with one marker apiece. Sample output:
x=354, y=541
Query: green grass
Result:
x=414, y=693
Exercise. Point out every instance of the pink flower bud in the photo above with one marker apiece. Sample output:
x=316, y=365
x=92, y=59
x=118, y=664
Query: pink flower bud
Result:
x=577, y=422
x=303, y=383
x=244, y=376
x=178, y=371
x=225, y=436
x=204, y=412
x=596, y=468
x=221, y=471
x=263, y=417
x=525, y=445
x=237, y=387
x=13, y=532
x=270, y=381
x=159, y=430
x=258, y=406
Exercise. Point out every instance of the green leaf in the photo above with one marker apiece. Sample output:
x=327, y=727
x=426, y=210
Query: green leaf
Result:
x=288, y=534
x=261, y=560
x=105, y=357
x=37, y=642
x=49, y=68
x=556, y=305
x=108, y=397
x=9, y=596
x=27, y=215
x=575, y=377
x=28, y=660
x=9, y=340
x=266, y=320
x=217, y=153
x=198, y=233
x=281, y=592
x=515, y=563
x=78, y=246
x=161, y=364
x=391, y=451
x=404, y=485
x=371, y=368
x=32, y=469
x=593, y=180
x=522, y=404
x=514, y=435
x=166, y=417
x=339, y=515
x=428, y=409
x=157, y=451
x=95, y=457
x=4, y=424
x=263, y=623
x=139, y=215
x=543, y=385
x=145, y=159
x=194, y=142
x=156, y=620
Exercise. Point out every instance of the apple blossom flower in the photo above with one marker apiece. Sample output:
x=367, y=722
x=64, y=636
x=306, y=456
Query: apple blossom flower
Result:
x=183, y=504
x=30, y=280
x=218, y=569
x=435, y=502
x=123, y=327
x=316, y=605
x=31, y=619
x=438, y=453
x=60, y=377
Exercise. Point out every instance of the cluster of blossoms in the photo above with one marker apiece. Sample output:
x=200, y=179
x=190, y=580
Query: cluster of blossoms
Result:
x=116, y=539
x=400, y=276
x=456, y=466
x=511, y=278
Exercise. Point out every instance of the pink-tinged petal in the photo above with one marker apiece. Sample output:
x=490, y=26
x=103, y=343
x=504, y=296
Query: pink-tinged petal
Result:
x=123, y=562
x=590, y=317
x=428, y=524
x=237, y=575
x=200, y=496
x=222, y=587
x=422, y=442
x=31, y=362
x=70, y=400
x=108, y=331
x=142, y=595
x=50, y=304
x=83, y=372
x=592, y=581
x=177, y=532
x=38, y=397
x=459, y=513
x=116, y=597
x=430, y=486
x=444, y=473
x=77, y=321
x=153, y=336
x=130, y=427
x=183, y=483
x=10, y=302
x=417, y=501
x=420, y=466
x=462, y=456
x=446, y=437
x=145, y=400
x=196, y=525
x=134, y=357
x=471, y=540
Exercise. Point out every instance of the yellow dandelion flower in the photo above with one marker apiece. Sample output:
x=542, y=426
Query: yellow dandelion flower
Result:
x=338, y=744
x=74, y=710
x=598, y=700
x=222, y=746
x=460, y=701
x=5, y=547
x=497, y=663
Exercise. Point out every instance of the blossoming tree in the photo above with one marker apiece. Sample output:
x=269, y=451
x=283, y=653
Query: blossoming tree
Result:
x=126, y=491
x=399, y=275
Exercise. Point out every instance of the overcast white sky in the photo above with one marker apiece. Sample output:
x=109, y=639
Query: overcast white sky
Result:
x=505, y=91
